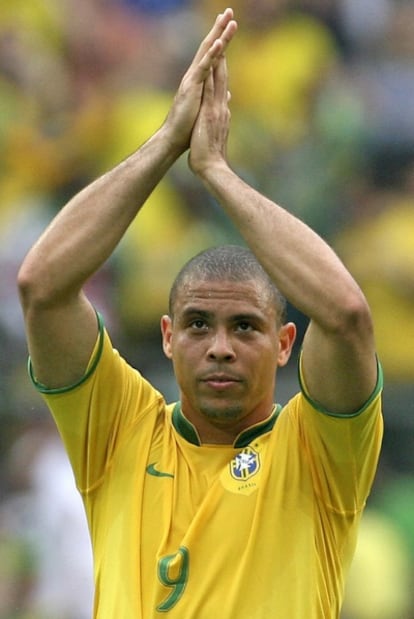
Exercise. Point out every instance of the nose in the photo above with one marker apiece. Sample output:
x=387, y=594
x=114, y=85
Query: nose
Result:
x=220, y=346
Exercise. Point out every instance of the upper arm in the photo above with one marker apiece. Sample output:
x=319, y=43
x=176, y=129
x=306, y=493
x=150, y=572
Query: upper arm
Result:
x=340, y=368
x=61, y=338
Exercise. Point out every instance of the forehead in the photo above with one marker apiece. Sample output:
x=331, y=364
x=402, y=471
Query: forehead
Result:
x=249, y=294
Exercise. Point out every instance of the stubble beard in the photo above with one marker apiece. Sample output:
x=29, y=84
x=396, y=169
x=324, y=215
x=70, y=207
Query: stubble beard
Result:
x=222, y=415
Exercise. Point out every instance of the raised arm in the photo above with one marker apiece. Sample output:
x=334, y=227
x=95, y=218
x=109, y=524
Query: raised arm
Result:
x=339, y=362
x=60, y=321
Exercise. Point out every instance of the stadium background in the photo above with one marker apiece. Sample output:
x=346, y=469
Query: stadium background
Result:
x=322, y=121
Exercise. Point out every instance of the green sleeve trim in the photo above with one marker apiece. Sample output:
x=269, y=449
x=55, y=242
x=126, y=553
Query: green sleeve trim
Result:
x=46, y=390
x=325, y=411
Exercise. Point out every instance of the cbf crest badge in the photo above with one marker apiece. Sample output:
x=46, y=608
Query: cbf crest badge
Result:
x=245, y=464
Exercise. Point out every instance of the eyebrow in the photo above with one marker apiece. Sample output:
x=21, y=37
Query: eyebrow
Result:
x=248, y=316
x=190, y=311
x=254, y=318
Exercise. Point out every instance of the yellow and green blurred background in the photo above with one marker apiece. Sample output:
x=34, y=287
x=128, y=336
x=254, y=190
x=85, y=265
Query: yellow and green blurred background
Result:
x=322, y=122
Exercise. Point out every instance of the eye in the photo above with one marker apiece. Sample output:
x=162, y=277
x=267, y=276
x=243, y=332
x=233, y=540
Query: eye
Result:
x=198, y=324
x=244, y=326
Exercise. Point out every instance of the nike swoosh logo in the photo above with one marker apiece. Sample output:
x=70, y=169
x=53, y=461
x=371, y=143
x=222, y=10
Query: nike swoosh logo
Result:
x=151, y=470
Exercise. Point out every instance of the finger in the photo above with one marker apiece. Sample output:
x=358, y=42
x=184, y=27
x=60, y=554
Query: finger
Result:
x=210, y=58
x=215, y=52
x=228, y=33
x=221, y=79
x=216, y=31
x=212, y=48
x=218, y=38
x=208, y=88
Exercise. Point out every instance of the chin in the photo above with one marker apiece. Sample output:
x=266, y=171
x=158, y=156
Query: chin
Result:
x=222, y=414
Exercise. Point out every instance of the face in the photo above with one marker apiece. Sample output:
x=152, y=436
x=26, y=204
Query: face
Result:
x=225, y=345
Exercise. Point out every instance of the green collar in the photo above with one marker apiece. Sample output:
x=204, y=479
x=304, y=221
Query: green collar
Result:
x=186, y=429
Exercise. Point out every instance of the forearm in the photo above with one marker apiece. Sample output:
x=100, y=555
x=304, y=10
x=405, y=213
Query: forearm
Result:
x=339, y=364
x=302, y=265
x=87, y=230
x=304, y=268
x=89, y=227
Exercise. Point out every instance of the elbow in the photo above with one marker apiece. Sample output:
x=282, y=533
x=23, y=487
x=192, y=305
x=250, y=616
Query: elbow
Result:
x=347, y=315
x=354, y=316
x=28, y=285
x=33, y=285
x=43, y=286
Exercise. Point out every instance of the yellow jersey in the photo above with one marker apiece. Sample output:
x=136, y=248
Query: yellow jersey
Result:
x=261, y=529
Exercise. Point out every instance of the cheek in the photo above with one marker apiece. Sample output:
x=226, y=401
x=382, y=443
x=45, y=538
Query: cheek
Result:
x=186, y=347
x=184, y=372
x=267, y=362
x=183, y=355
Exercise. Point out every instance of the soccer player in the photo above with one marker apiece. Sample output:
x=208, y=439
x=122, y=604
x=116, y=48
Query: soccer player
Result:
x=223, y=504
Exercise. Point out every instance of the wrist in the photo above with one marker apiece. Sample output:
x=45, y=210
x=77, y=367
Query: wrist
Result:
x=206, y=164
x=173, y=144
x=212, y=173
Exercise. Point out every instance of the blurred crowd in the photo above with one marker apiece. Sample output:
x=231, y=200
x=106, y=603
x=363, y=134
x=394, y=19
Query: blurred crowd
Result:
x=322, y=122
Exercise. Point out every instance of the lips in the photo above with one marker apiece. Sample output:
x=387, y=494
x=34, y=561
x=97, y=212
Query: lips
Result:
x=220, y=380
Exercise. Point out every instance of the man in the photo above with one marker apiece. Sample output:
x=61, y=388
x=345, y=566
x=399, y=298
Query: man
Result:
x=223, y=504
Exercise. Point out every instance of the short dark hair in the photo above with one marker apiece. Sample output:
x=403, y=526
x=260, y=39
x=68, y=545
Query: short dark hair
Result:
x=228, y=262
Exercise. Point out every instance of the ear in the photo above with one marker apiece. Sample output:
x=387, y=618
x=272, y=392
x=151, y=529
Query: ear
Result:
x=287, y=337
x=166, y=331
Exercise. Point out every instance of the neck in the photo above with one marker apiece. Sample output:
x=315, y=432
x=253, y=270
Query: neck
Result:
x=204, y=431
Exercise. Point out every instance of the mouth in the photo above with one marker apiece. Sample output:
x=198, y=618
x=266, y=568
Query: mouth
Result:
x=220, y=382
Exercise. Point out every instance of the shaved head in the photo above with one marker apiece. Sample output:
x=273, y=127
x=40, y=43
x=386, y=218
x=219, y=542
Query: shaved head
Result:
x=227, y=263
